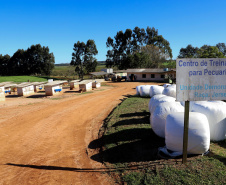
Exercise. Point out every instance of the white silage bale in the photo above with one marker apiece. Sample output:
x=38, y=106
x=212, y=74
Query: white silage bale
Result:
x=153, y=100
x=155, y=89
x=191, y=103
x=138, y=90
x=158, y=118
x=145, y=90
x=170, y=90
x=216, y=115
x=198, y=133
x=166, y=85
x=161, y=100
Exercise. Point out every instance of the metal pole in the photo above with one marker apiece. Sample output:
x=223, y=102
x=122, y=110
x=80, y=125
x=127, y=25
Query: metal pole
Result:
x=186, y=126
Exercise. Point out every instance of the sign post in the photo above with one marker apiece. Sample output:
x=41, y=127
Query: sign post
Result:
x=199, y=79
x=186, y=126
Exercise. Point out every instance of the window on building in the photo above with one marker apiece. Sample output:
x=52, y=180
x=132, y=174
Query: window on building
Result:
x=143, y=75
x=152, y=75
x=162, y=76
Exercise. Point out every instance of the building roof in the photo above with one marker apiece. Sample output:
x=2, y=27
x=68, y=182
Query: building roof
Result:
x=120, y=71
x=4, y=83
x=24, y=85
x=54, y=83
x=38, y=83
x=99, y=73
x=149, y=70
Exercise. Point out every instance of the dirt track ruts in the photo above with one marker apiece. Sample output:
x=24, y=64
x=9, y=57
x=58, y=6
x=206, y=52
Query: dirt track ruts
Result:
x=45, y=141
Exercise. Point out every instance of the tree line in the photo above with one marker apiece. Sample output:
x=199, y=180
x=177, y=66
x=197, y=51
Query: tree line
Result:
x=206, y=51
x=137, y=48
x=36, y=60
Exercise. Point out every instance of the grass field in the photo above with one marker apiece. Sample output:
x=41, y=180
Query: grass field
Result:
x=22, y=79
x=69, y=71
x=129, y=149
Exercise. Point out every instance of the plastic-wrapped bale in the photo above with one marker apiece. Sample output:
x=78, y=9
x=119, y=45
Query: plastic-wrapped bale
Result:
x=155, y=90
x=170, y=91
x=191, y=103
x=198, y=133
x=166, y=85
x=158, y=117
x=145, y=90
x=157, y=101
x=215, y=112
x=153, y=100
x=138, y=90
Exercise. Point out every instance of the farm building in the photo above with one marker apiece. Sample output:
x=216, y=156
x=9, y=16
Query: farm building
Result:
x=54, y=88
x=25, y=89
x=155, y=75
x=74, y=84
x=104, y=73
x=100, y=74
x=38, y=86
x=85, y=85
x=9, y=87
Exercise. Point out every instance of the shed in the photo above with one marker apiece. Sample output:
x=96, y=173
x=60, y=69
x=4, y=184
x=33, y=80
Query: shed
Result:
x=96, y=83
x=153, y=74
x=38, y=86
x=8, y=88
x=74, y=84
x=85, y=85
x=54, y=88
x=25, y=89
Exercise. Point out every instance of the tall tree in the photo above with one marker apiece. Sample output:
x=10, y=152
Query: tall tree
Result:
x=205, y=51
x=222, y=48
x=209, y=52
x=4, y=69
x=17, y=63
x=129, y=42
x=35, y=60
x=83, y=57
x=188, y=52
x=40, y=61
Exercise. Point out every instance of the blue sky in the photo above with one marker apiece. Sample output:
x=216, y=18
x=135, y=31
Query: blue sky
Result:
x=58, y=24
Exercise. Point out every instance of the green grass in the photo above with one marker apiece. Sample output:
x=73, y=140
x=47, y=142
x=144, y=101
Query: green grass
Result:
x=22, y=79
x=129, y=150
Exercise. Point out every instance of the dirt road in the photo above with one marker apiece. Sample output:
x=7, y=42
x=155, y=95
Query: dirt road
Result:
x=44, y=140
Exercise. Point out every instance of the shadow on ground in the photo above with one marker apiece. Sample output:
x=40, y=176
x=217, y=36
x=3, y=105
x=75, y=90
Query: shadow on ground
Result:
x=12, y=96
x=37, y=96
x=131, y=145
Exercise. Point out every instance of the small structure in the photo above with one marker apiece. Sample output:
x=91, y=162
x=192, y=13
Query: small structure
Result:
x=96, y=84
x=104, y=73
x=25, y=89
x=54, y=88
x=8, y=87
x=74, y=84
x=2, y=93
x=155, y=75
x=85, y=85
x=38, y=86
